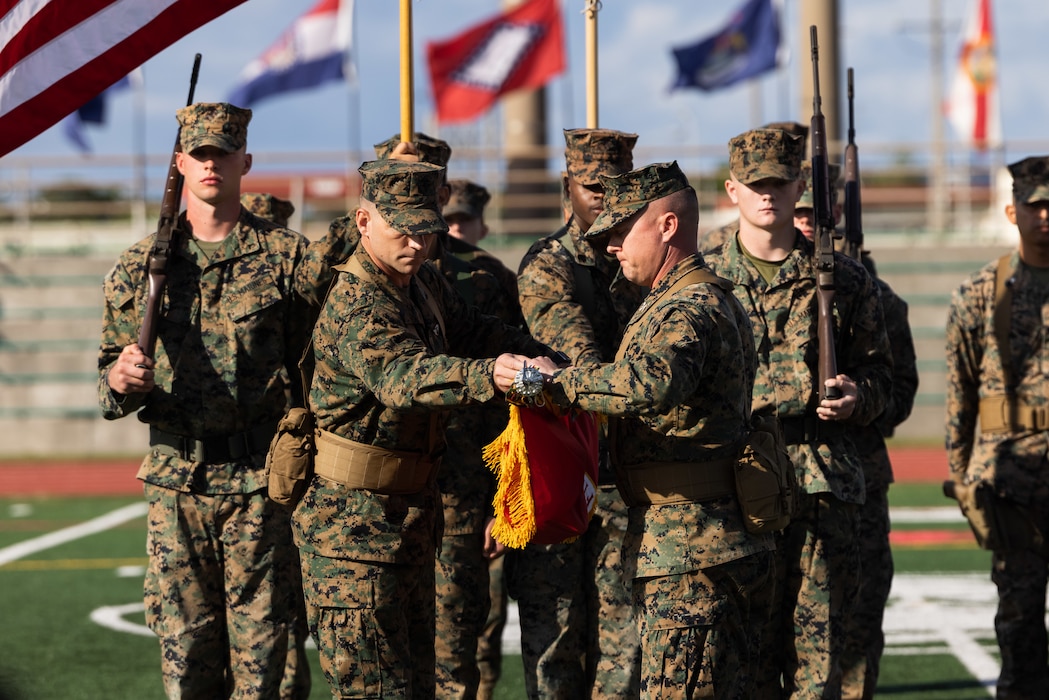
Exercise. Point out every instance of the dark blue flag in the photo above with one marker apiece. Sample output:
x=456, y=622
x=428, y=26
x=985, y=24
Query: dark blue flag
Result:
x=747, y=46
x=94, y=112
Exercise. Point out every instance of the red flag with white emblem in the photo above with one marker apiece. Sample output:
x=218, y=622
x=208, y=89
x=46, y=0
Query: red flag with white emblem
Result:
x=520, y=48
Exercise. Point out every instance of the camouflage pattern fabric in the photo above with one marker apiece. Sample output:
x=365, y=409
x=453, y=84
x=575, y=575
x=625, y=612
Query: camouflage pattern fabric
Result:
x=865, y=640
x=405, y=195
x=627, y=195
x=466, y=198
x=1013, y=461
x=373, y=623
x=269, y=207
x=783, y=315
x=217, y=124
x=314, y=275
x=765, y=153
x=507, y=278
x=381, y=370
x=490, y=642
x=1030, y=179
x=467, y=489
x=714, y=610
x=680, y=392
x=575, y=299
x=590, y=153
x=217, y=640
x=231, y=331
x=833, y=174
x=715, y=238
x=247, y=285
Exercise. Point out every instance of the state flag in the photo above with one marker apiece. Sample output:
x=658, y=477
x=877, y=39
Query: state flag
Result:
x=57, y=55
x=747, y=46
x=518, y=49
x=973, y=107
x=314, y=50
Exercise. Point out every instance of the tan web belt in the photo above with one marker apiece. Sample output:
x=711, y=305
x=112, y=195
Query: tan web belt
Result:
x=661, y=483
x=999, y=414
x=360, y=466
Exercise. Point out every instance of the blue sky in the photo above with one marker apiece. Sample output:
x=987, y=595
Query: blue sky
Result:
x=886, y=41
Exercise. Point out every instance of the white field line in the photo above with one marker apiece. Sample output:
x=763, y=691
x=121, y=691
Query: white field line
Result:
x=84, y=529
x=924, y=610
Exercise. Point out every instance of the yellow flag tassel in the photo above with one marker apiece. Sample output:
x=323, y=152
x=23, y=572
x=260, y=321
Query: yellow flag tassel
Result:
x=507, y=457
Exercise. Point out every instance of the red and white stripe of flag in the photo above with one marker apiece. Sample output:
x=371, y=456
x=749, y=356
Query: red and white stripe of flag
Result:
x=58, y=54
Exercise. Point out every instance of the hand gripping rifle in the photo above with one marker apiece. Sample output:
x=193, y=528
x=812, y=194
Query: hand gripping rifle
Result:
x=168, y=237
x=853, y=222
x=821, y=209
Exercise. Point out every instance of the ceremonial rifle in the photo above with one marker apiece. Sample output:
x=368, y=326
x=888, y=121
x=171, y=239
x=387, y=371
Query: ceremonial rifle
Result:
x=168, y=237
x=824, y=250
x=853, y=222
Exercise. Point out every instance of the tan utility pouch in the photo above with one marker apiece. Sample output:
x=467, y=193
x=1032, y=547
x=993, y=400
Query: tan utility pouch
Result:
x=997, y=524
x=766, y=484
x=360, y=466
x=289, y=463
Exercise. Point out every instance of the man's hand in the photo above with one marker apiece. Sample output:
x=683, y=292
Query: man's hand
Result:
x=841, y=408
x=405, y=151
x=492, y=547
x=132, y=373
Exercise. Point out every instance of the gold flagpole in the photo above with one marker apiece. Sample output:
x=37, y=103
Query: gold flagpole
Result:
x=407, y=88
x=592, y=6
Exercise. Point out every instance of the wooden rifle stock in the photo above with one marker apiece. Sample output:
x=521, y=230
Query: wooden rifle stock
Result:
x=853, y=218
x=824, y=249
x=167, y=239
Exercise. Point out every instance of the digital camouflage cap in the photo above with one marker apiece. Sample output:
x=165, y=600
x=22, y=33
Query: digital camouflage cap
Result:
x=405, y=194
x=795, y=128
x=430, y=150
x=629, y=193
x=1030, y=179
x=467, y=199
x=833, y=173
x=591, y=153
x=217, y=124
x=765, y=153
x=266, y=206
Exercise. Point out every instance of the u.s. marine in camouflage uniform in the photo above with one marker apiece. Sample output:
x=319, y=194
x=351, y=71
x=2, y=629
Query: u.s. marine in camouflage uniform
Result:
x=219, y=590
x=678, y=398
x=577, y=639
x=986, y=386
x=772, y=266
x=865, y=640
x=368, y=525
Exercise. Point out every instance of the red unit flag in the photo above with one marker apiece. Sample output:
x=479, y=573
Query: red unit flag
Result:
x=521, y=48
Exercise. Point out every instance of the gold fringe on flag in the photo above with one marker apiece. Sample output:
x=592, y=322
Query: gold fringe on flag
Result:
x=507, y=457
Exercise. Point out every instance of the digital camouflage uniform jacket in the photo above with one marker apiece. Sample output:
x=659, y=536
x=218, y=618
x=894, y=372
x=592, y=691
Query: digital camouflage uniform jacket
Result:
x=231, y=326
x=1014, y=461
x=381, y=371
x=585, y=324
x=679, y=393
x=784, y=318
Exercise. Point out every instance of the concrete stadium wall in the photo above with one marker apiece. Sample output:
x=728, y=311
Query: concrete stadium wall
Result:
x=51, y=310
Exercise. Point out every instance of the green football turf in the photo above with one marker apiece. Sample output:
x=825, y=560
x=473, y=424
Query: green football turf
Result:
x=50, y=648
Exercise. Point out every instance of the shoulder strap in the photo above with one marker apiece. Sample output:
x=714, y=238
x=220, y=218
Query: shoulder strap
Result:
x=585, y=294
x=1003, y=302
x=699, y=276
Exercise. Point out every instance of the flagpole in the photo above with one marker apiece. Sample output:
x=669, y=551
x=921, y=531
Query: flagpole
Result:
x=407, y=128
x=592, y=7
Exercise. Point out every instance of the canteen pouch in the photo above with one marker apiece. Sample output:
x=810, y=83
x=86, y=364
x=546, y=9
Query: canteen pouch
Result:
x=766, y=485
x=289, y=462
x=998, y=524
